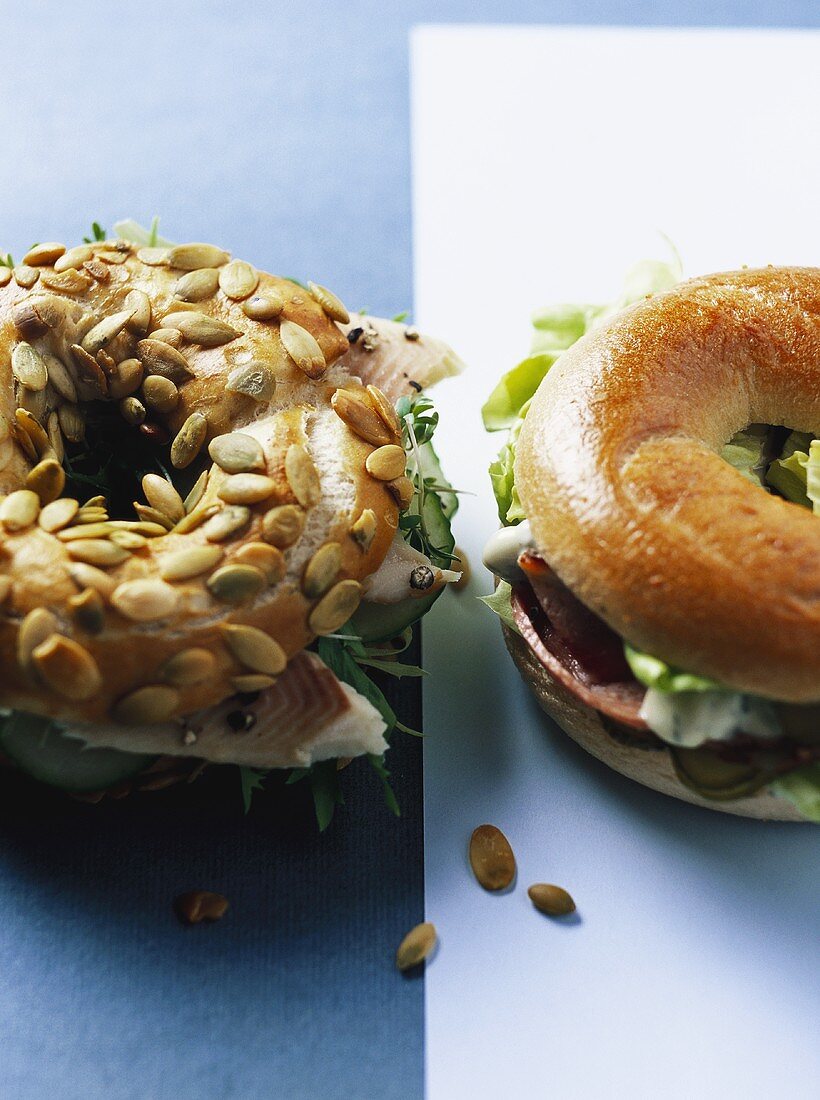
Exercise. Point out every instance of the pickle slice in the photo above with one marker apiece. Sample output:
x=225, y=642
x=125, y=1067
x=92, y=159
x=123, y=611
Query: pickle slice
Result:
x=705, y=773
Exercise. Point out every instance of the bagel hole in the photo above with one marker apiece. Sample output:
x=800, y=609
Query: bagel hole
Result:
x=114, y=456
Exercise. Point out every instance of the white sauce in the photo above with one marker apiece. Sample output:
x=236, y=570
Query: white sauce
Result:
x=503, y=549
x=689, y=718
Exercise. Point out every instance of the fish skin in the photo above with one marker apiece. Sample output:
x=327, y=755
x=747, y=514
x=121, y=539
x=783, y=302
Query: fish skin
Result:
x=396, y=362
x=307, y=716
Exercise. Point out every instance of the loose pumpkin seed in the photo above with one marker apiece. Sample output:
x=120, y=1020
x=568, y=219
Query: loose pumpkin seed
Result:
x=96, y=552
x=33, y=429
x=335, y=607
x=55, y=436
x=207, y=332
x=361, y=418
x=238, y=280
x=192, y=257
x=160, y=394
x=151, y=515
x=384, y=407
x=97, y=270
x=553, y=900
x=255, y=649
x=101, y=335
x=5, y=276
x=195, y=496
x=153, y=257
x=332, y=306
x=66, y=282
x=99, y=530
x=252, y=682
x=303, y=349
x=36, y=627
x=491, y=858
x=189, y=440
x=170, y=336
x=386, y=463
x=363, y=530
x=181, y=565
x=125, y=379
x=72, y=423
x=227, y=523
x=88, y=611
x=145, y=600
x=322, y=570
x=29, y=367
x=189, y=667
x=25, y=276
x=58, y=514
x=264, y=307
x=60, y=377
x=236, y=584
x=74, y=257
x=416, y=946
x=47, y=480
x=152, y=703
x=128, y=540
x=29, y=321
x=161, y=495
x=267, y=559
x=67, y=668
x=89, y=372
x=23, y=440
x=254, y=380
x=283, y=525
x=20, y=509
x=157, y=357
x=302, y=475
x=197, y=906
x=403, y=490
x=132, y=411
x=237, y=453
x=196, y=517
x=198, y=285
x=139, y=305
x=44, y=255
x=246, y=488
x=87, y=576
x=110, y=256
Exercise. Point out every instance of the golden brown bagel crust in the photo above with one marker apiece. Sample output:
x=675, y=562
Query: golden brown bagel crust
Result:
x=619, y=471
x=650, y=767
x=86, y=661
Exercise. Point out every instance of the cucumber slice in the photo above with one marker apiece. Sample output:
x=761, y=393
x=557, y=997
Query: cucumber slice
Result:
x=377, y=622
x=431, y=468
x=39, y=748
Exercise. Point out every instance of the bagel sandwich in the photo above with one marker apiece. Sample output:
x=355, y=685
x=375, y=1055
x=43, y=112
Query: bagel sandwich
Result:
x=658, y=564
x=219, y=507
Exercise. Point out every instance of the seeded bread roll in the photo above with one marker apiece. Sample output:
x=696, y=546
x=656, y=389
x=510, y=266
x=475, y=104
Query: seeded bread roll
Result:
x=138, y=620
x=619, y=471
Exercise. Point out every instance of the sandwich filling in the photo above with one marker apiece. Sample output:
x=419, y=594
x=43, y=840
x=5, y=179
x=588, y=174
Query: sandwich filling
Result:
x=724, y=743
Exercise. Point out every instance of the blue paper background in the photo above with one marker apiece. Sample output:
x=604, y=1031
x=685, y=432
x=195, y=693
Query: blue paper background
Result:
x=282, y=132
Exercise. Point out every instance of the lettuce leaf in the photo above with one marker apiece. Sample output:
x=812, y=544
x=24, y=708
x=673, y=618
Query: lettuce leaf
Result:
x=802, y=789
x=500, y=602
x=556, y=328
x=652, y=672
x=813, y=475
x=746, y=452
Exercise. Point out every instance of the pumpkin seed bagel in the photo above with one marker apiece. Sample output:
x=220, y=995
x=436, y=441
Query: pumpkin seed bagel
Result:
x=620, y=474
x=285, y=495
x=659, y=557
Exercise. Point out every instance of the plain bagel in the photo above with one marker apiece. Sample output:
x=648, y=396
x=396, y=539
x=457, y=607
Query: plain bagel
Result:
x=207, y=592
x=619, y=471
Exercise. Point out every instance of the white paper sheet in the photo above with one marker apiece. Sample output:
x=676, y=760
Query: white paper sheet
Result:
x=546, y=161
